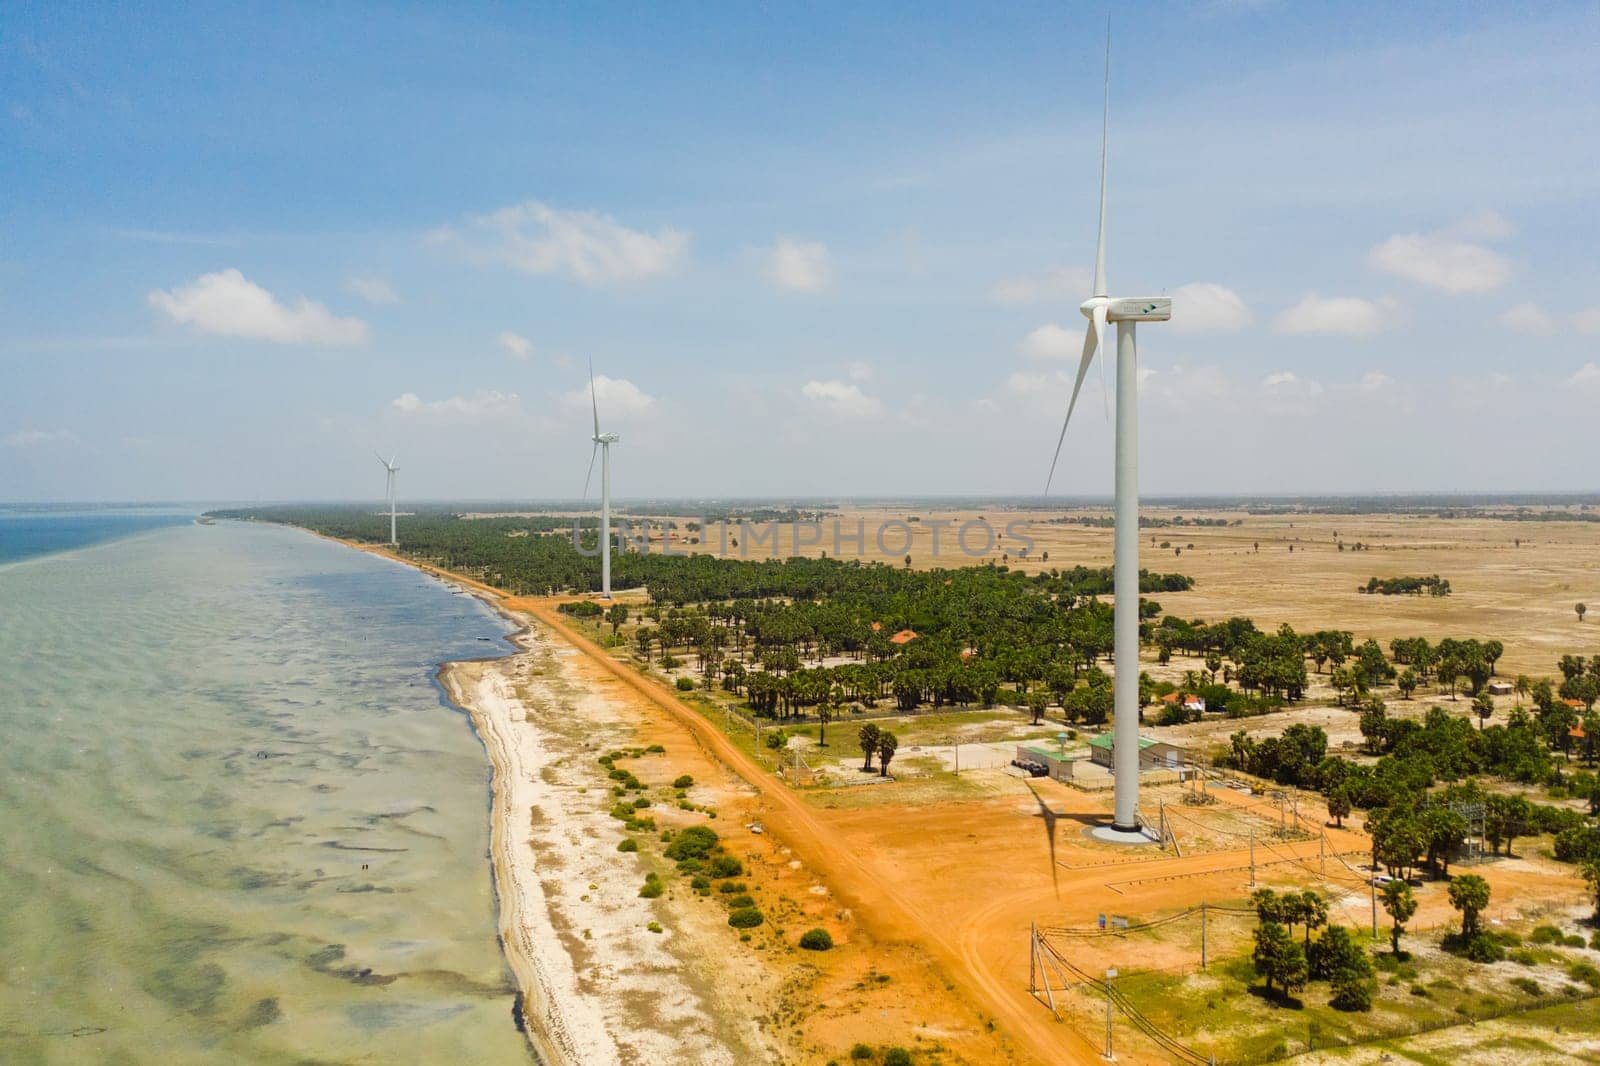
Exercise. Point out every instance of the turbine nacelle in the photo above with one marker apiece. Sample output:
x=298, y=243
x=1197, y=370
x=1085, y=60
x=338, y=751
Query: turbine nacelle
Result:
x=606, y=438
x=1128, y=308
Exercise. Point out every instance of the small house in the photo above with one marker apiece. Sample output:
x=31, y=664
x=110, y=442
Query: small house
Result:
x=1153, y=754
x=905, y=636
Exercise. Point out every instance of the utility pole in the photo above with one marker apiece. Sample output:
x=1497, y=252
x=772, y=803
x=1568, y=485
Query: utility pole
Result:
x=1110, y=1054
x=1373, y=884
x=1322, y=854
x=1202, y=934
x=1252, y=859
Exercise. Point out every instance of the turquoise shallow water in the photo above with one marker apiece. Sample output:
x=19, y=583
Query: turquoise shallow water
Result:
x=240, y=824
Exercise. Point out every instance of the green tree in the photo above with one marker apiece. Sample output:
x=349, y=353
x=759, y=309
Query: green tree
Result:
x=1469, y=894
x=1582, y=610
x=825, y=713
x=887, y=743
x=1483, y=707
x=1339, y=804
x=1278, y=959
x=1407, y=682
x=868, y=738
x=617, y=616
x=1400, y=904
x=1337, y=950
x=1591, y=876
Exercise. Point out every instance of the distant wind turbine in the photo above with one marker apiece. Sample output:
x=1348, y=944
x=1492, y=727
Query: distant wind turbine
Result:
x=390, y=470
x=1126, y=312
x=602, y=446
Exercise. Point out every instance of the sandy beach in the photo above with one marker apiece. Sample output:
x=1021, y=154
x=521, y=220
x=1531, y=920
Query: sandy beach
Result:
x=598, y=985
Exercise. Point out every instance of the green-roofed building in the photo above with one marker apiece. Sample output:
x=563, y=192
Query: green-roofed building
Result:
x=1153, y=754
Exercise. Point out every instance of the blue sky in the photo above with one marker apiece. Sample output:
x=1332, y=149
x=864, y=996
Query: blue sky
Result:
x=829, y=250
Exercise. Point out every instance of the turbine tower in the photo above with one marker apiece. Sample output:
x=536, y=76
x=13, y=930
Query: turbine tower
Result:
x=602, y=445
x=1126, y=312
x=390, y=470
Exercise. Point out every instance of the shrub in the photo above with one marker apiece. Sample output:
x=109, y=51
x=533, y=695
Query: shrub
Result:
x=726, y=866
x=1573, y=941
x=682, y=781
x=1524, y=957
x=861, y=1053
x=695, y=842
x=1352, y=990
x=745, y=918
x=640, y=804
x=1545, y=934
x=1418, y=990
x=1526, y=984
x=656, y=749
x=741, y=901
x=652, y=887
x=1481, y=947
x=685, y=685
x=728, y=888
x=624, y=811
x=816, y=940
x=1585, y=972
x=689, y=866
x=897, y=1056
x=628, y=844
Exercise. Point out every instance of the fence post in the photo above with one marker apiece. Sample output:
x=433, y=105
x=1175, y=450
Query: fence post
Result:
x=1110, y=1054
x=1252, y=859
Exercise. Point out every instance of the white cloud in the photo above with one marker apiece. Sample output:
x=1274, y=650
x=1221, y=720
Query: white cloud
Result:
x=36, y=438
x=1527, y=317
x=800, y=266
x=1061, y=283
x=1449, y=259
x=1587, y=377
x=520, y=347
x=1205, y=305
x=1051, y=341
x=842, y=398
x=615, y=396
x=1587, y=320
x=374, y=290
x=229, y=304
x=1028, y=383
x=1286, y=393
x=1374, y=381
x=1348, y=315
x=859, y=371
x=481, y=404
x=586, y=246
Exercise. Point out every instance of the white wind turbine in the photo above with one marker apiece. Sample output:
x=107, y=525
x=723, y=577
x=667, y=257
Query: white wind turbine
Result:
x=602, y=445
x=390, y=470
x=1126, y=312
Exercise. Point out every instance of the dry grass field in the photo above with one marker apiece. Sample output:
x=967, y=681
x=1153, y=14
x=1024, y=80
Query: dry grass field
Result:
x=1521, y=594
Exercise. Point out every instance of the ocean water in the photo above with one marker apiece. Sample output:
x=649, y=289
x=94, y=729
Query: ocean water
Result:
x=28, y=532
x=240, y=822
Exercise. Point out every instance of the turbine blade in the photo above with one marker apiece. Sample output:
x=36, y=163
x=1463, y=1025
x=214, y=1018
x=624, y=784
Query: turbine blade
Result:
x=590, y=475
x=381, y=459
x=595, y=403
x=1105, y=130
x=1091, y=341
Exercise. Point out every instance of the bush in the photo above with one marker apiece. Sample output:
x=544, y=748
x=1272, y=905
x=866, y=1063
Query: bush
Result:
x=640, y=804
x=655, y=749
x=861, y=1053
x=654, y=927
x=729, y=888
x=1585, y=972
x=682, y=781
x=700, y=884
x=1352, y=990
x=1546, y=934
x=726, y=866
x=695, y=842
x=624, y=811
x=741, y=901
x=745, y=918
x=1418, y=990
x=685, y=685
x=1524, y=957
x=652, y=887
x=816, y=940
x=1483, y=947
x=897, y=1056
x=1526, y=984
x=628, y=844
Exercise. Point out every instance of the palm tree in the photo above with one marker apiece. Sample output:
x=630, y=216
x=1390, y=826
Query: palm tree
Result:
x=868, y=738
x=825, y=714
x=887, y=743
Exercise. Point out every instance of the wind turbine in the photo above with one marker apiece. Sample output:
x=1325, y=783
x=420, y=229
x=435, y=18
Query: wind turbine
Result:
x=390, y=470
x=1126, y=312
x=602, y=445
